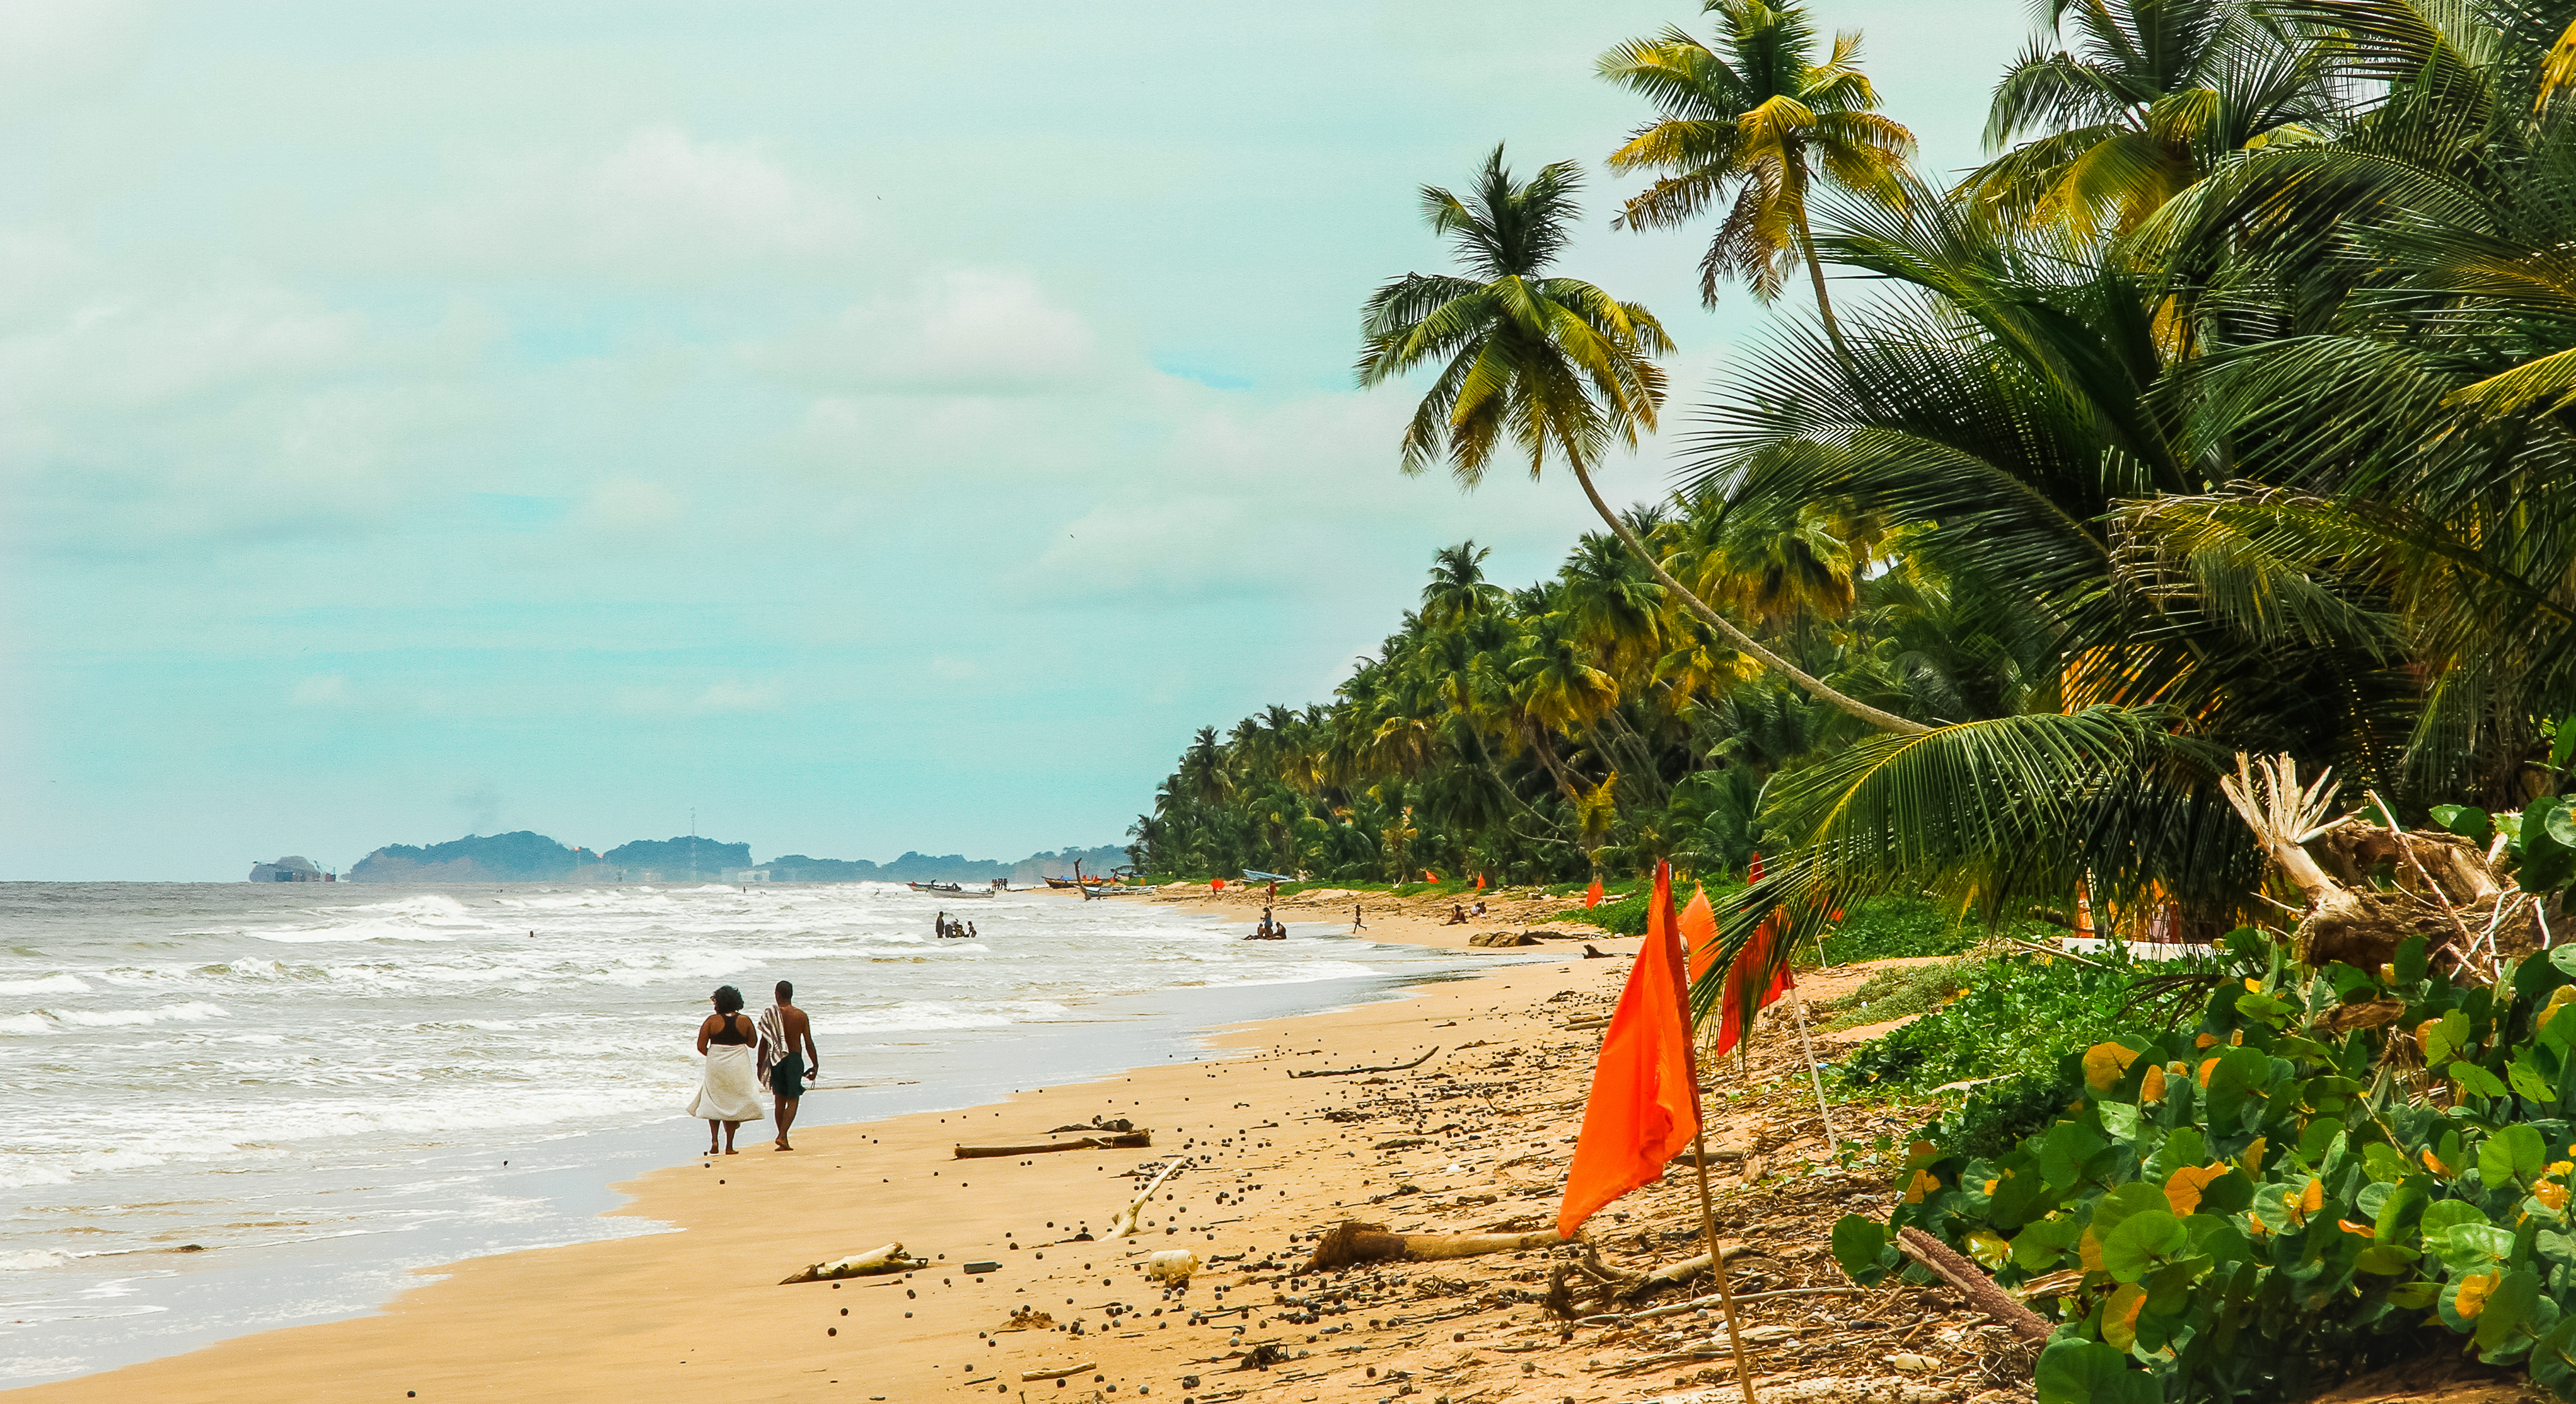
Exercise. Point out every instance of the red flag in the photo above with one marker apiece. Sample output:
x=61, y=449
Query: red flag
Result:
x=1430, y=876
x=1218, y=885
x=1736, y=1008
x=1480, y=882
x=1592, y=894
x=1644, y=1107
x=1699, y=934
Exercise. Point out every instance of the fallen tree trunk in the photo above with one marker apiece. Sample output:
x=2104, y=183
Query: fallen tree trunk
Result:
x=1125, y=1141
x=1125, y=1225
x=1353, y=1242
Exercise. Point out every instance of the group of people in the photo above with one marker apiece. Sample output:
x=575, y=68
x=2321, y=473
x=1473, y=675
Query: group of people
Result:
x=1268, y=930
x=1459, y=915
x=949, y=928
x=744, y=1056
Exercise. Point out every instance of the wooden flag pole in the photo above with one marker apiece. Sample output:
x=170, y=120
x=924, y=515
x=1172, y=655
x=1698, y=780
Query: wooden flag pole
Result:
x=1798, y=1007
x=1717, y=1261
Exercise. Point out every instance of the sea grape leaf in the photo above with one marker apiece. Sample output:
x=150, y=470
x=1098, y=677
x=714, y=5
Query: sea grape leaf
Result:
x=2562, y=745
x=2145, y=1240
x=2409, y=962
x=2474, y=1080
x=2547, y=860
x=2064, y=1150
x=2037, y=1248
x=2106, y=1063
x=2442, y=1215
x=2120, y=1317
x=2114, y=1208
x=2508, y=1306
x=2513, y=1151
x=2385, y=1259
x=1858, y=1242
x=2471, y=1247
x=2381, y=1162
x=2183, y=1146
x=2528, y=1082
x=2184, y=1186
x=2468, y=821
x=2088, y=1372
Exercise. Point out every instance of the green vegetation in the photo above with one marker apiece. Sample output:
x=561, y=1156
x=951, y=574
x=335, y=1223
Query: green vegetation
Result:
x=1899, y=992
x=2254, y=1206
x=2017, y=1015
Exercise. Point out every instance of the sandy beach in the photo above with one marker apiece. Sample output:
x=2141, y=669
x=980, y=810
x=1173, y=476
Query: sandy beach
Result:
x=1474, y=1137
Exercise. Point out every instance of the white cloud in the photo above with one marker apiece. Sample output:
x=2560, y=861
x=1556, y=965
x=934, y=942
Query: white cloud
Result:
x=52, y=50
x=971, y=331
x=663, y=206
x=139, y=345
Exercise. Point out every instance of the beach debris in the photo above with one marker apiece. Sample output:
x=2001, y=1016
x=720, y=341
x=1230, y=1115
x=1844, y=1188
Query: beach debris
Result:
x=1131, y=1140
x=1354, y=1072
x=984, y=1266
x=1026, y=1376
x=1493, y=940
x=1027, y=1318
x=1263, y=1356
x=1980, y=1290
x=1353, y=1242
x=1113, y=1123
x=1172, y=1265
x=871, y=1263
x=1129, y=1221
x=1587, y=1287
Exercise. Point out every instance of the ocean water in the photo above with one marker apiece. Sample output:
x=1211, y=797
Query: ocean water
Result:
x=240, y=1106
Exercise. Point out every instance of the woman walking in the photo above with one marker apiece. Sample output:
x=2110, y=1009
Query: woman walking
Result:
x=729, y=1090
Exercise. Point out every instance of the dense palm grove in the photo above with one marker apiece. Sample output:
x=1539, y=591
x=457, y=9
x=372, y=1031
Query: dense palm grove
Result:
x=2226, y=408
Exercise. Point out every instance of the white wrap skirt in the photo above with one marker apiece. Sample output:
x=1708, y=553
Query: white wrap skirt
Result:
x=730, y=1088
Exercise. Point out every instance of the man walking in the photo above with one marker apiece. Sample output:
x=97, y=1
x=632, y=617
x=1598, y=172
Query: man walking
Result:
x=787, y=1056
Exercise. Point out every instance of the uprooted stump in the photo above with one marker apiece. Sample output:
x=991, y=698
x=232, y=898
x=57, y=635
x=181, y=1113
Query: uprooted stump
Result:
x=1353, y=1242
x=1589, y=1287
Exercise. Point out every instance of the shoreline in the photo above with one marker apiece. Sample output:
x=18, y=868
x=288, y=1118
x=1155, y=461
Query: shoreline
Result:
x=1473, y=1137
x=1149, y=1024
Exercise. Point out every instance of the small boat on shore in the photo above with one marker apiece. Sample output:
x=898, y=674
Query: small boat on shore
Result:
x=949, y=889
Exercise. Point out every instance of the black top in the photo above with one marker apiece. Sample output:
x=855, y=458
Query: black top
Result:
x=727, y=1035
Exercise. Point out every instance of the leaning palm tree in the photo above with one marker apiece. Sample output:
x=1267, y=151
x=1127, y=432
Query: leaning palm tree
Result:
x=1555, y=363
x=1756, y=115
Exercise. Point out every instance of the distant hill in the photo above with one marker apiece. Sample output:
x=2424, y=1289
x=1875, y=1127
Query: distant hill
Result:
x=532, y=857
x=675, y=856
x=519, y=857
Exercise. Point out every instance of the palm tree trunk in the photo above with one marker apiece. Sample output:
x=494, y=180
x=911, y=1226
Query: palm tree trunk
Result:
x=1816, y=277
x=1884, y=721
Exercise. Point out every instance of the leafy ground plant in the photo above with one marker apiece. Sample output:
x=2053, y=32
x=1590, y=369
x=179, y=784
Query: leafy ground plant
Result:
x=2335, y=1169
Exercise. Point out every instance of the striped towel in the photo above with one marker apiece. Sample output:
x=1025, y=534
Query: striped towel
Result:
x=773, y=1032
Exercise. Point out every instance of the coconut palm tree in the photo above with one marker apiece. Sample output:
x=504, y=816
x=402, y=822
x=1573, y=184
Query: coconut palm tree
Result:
x=1754, y=114
x=2148, y=99
x=1554, y=363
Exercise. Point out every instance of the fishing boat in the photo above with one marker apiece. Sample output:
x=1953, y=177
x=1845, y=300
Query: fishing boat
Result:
x=947, y=887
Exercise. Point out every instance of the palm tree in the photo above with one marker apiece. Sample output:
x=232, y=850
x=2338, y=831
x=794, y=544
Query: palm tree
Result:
x=1458, y=590
x=1555, y=363
x=2149, y=99
x=1756, y=115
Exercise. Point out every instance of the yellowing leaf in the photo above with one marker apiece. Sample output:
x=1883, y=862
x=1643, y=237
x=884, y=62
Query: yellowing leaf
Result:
x=2088, y=1251
x=2551, y=1193
x=2252, y=1159
x=2434, y=1164
x=2205, y=1040
x=2104, y=1063
x=2151, y=1089
x=1922, y=1184
x=2253, y=985
x=2315, y=1197
x=2349, y=1226
x=1990, y=1250
x=2184, y=1187
x=2120, y=1318
x=2474, y=1291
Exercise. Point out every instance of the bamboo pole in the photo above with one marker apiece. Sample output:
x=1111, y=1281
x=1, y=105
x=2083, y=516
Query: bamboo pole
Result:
x=1798, y=1007
x=1717, y=1260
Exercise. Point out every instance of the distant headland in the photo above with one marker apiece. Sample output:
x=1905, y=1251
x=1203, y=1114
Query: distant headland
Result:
x=532, y=857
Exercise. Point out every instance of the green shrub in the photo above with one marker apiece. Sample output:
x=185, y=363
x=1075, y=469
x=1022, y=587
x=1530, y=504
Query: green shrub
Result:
x=1879, y=927
x=1897, y=992
x=2252, y=1208
x=2020, y=1015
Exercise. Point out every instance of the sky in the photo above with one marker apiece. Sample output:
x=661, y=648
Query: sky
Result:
x=868, y=427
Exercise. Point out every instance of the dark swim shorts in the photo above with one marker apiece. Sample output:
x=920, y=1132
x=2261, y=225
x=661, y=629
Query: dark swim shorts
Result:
x=787, y=1077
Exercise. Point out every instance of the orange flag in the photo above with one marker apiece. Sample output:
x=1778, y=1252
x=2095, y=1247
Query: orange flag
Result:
x=1218, y=885
x=1430, y=876
x=1480, y=882
x=1699, y=933
x=1644, y=1107
x=1592, y=894
x=1739, y=1003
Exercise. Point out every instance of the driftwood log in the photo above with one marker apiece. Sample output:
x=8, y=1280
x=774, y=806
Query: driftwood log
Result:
x=2443, y=887
x=1980, y=1290
x=875, y=1261
x=1124, y=1141
x=1352, y=1242
x=1588, y=1287
x=1354, y=1072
